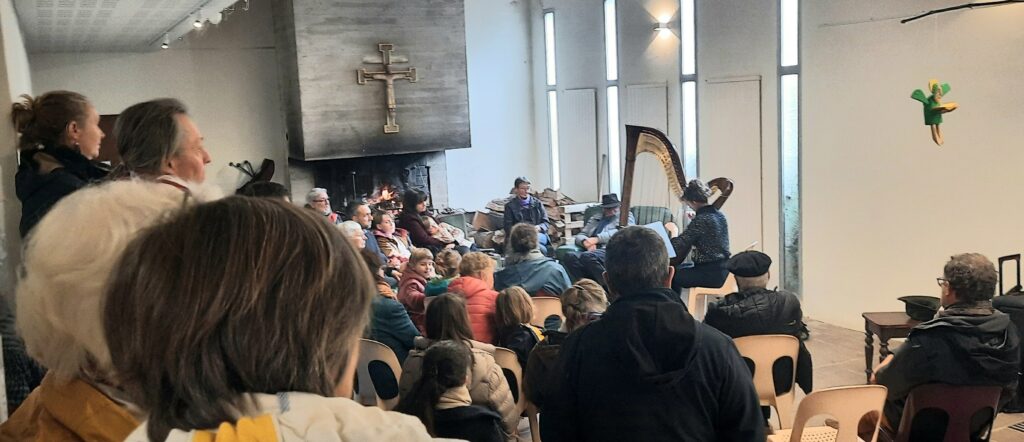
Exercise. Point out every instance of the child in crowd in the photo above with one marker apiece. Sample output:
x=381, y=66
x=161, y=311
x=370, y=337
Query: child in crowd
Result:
x=447, y=266
x=418, y=271
x=440, y=398
x=512, y=321
x=446, y=233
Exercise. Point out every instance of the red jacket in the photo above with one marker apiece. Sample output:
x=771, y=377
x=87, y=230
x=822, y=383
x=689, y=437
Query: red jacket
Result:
x=480, y=302
x=410, y=294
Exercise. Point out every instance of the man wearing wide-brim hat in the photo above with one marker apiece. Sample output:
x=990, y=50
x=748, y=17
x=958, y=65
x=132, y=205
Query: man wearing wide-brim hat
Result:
x=599, y=229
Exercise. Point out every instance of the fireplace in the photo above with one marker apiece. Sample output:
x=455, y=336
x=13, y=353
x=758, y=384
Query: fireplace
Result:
x=380, y=180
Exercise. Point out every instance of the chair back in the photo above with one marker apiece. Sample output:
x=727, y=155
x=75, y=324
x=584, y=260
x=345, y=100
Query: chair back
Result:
x=846, y=404
x=509, y=363
x=648, y=214
x=697, y=304
x=763, y=351
x=380, y=356
x=544, y=306
x=959, y=402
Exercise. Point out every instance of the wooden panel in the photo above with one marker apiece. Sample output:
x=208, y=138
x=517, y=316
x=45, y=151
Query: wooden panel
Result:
x=578, y=152
x=337, y=117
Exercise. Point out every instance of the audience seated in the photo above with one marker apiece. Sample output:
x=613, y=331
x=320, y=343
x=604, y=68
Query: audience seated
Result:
x=647, y=367
x=524, y=208
x=447, y=266
x=414, y=209
x=59, y=299
x=476, y=285
x=265, y=189
x=596, y=233
x=513, y=312
x=158, y=141
x=755, y=310
x=59, y=137
x=418, y=271
x=440, y=398
x=585, y=301
x=360, y=212
x=447, y=320
x=389, y=323
x=261, y=337
x=969, y=343
x=353, y=232
x=318, y=201
x=707, y=236
x=527, y=267
x=393, y=242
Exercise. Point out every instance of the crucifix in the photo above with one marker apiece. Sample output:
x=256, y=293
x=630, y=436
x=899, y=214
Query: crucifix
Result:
x=388, y=76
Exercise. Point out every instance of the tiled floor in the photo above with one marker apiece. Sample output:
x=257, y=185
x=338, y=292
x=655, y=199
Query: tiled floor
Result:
x=838, y=355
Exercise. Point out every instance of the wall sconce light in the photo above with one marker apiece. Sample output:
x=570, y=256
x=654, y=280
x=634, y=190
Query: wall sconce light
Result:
x=199, y=19
x=662, y=29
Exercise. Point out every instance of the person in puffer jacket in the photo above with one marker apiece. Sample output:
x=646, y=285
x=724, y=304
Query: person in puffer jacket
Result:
x=476, y=285
x=447, y=320
x=756, y=310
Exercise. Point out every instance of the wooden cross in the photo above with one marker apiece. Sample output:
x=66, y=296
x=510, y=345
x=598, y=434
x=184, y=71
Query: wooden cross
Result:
x=388, y=76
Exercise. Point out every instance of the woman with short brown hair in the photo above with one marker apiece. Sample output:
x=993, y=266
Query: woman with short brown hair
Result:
x=244, y=315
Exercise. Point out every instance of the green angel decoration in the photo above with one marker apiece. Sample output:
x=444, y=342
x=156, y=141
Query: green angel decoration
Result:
x=933, y=107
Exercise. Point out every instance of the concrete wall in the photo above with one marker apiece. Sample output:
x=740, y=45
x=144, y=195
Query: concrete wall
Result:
x=15, y=79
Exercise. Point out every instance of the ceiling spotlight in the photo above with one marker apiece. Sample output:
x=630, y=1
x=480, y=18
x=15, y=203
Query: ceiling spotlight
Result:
x=167, y=42
x=199, y=19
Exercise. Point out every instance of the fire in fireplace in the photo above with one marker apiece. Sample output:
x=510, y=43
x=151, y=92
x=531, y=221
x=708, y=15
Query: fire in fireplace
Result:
x=382, y=180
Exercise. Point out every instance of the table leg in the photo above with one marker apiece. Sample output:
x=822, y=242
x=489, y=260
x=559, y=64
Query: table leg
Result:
x=869, y=350
x=883, y=349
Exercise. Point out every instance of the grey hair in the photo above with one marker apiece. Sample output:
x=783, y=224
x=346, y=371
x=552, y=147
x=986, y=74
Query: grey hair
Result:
x=636, y=260
x=971, y=276
x=316, y=191
x=752, y=282
x=696, y=191
x=350, y=228
x=148, y=134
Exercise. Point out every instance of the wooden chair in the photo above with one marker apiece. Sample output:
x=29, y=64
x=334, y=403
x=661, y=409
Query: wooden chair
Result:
x=546, y=306
x=697, y=303
x=509, y=363
x=959, y=403
x=846, y=404
x=373, y=351
x=763, y=351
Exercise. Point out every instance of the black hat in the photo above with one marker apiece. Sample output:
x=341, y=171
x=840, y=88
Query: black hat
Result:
x=749, y=264
x=920, y=308
x=610, y=200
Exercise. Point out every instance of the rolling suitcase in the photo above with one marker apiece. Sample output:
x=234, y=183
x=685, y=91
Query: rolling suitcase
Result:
x=1011, y=302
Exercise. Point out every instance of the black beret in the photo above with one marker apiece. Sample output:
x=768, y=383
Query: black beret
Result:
x=749, y=264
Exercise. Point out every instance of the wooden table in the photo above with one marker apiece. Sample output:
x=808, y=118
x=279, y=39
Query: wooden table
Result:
x=885, y=325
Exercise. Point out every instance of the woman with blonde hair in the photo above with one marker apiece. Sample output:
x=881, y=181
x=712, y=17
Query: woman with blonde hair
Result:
x=60, y=298
x=240, y=319
x=59, y=137
x=582, y=303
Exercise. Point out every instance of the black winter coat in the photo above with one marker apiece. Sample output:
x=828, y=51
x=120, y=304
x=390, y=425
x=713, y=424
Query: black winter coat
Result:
x=766, y=312
x=647, y=371
x=472, y=423
x=533, y=214
x=38, y=191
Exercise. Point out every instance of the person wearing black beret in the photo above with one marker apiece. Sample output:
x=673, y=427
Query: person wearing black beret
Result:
x=757, y=310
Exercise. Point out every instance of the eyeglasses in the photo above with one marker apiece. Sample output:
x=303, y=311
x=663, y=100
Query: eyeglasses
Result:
x=322, y=201
x=942, y=282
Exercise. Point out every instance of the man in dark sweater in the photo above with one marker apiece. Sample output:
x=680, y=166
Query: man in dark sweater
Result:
x=969, y=343
x=647, y=371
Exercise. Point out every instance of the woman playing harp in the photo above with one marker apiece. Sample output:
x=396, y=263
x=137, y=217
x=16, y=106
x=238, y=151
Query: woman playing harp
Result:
x=707, y=236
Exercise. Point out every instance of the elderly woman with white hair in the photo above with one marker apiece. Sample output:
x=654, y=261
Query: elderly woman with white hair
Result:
x=60, y=297
x=318, y=201
x=354, y=233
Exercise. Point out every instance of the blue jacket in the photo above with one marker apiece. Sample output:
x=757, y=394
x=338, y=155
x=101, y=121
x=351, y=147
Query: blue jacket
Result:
x=534, y=213
x=608, y=229
x=391, y=326
x=534, y=275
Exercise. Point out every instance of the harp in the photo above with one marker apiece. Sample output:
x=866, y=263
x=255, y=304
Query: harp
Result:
x=654, y=178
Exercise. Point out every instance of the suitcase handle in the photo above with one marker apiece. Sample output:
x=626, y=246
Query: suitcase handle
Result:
x=1003, y=259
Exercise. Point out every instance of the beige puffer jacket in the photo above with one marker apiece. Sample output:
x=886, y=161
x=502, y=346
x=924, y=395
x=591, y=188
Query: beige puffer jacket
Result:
x=487, y=385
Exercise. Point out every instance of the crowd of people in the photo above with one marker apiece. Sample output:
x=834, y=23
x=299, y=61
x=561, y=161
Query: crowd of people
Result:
x=151, y=309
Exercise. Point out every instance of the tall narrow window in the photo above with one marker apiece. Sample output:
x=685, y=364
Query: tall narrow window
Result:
x=611, y=64
x=552, y=95
x=688, y=56
x=789, y=141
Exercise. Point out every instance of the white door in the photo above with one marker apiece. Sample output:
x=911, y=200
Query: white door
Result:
x=577, y=141
x=730, y=146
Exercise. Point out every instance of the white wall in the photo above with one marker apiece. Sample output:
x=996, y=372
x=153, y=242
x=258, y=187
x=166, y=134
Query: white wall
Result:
x=500, y=106
x=884, y=208
x=227, y=76
x=15, y=80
